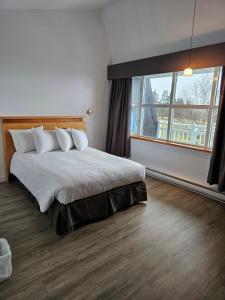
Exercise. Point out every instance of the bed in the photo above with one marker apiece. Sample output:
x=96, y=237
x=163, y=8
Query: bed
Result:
x=73, y=187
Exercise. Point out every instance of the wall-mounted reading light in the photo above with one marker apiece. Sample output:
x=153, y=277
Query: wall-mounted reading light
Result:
x=89, y=111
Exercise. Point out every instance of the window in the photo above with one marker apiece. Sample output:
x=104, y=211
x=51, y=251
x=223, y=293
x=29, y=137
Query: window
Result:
x=175, y=108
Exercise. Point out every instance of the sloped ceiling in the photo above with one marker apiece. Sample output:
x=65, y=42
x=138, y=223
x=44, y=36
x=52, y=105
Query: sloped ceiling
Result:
x=144, y=28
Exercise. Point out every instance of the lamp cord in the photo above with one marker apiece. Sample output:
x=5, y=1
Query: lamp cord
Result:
x=192, y=32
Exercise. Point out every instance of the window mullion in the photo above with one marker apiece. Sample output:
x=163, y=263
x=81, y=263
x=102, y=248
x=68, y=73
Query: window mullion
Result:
x=185, y=106
x=172, y=95
x=140, y=105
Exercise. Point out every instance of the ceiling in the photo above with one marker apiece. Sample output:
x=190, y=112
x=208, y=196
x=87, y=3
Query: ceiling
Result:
x=53, y=4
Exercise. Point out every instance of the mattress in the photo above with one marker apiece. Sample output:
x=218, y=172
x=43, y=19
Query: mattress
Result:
x=73, y=175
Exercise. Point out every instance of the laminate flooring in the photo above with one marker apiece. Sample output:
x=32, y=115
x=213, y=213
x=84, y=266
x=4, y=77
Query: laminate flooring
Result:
x=172, y=247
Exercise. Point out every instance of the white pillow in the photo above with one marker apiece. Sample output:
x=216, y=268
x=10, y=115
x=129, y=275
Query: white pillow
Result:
x=80, y=139
x=64, y=138
x=45, y=140
x=23, y=140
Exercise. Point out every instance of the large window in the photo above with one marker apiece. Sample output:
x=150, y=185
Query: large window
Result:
x=175, y=108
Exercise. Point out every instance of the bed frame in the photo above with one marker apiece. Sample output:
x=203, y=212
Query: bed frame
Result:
x=26, y=122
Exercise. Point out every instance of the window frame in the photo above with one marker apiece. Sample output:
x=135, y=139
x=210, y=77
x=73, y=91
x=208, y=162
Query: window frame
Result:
x=210, y=107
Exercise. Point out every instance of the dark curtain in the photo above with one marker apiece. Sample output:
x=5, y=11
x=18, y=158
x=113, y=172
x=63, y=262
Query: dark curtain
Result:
x=118, y=133
x=217, y=164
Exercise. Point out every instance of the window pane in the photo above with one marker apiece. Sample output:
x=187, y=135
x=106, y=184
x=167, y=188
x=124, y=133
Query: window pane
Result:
x=189, y=126
x=134, y=120
x=136, y=90
x=157, y=88
x=195, y=89
x=155, y=122
x=218, y=87
x=213, y=127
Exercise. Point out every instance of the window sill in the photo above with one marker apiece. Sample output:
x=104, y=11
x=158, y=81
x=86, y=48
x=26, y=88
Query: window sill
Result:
x=191, y=147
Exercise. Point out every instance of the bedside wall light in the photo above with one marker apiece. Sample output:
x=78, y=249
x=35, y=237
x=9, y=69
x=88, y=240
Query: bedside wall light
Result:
x=89, y=111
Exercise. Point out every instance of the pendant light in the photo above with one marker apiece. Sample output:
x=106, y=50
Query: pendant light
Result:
x=188, y=70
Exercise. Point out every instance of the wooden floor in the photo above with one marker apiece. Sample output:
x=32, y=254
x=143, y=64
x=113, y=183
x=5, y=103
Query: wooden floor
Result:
x=171, y=248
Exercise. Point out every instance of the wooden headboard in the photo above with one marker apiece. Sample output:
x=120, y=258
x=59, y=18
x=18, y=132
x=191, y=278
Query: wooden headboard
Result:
x=26, y=122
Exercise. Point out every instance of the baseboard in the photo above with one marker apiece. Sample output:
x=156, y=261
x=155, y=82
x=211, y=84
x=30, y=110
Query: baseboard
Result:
x=2, y=179
x=192, y=186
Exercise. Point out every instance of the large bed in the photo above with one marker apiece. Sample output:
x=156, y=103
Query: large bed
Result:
x=73, y=187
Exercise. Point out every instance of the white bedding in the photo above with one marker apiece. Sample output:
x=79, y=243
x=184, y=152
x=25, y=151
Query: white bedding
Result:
x=72, y=175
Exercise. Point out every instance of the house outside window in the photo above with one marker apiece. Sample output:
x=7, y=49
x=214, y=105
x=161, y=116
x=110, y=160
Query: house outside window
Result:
x=177, y=109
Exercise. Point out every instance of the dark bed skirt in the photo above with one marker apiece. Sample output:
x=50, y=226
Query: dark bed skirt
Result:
x=65, y=218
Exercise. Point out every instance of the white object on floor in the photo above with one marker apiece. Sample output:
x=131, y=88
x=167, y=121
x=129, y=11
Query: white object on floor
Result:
x=5, y=260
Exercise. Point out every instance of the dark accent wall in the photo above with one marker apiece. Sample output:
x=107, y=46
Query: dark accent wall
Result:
x=202, y=57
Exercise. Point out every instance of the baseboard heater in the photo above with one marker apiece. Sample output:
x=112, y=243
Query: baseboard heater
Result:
x=189, y=185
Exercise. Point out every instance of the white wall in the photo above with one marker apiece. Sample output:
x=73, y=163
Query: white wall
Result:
x=54, y=63
x=144, y=28
x=179, y=162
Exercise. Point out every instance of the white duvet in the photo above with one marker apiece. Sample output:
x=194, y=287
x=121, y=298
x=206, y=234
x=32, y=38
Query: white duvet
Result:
x=72, y=175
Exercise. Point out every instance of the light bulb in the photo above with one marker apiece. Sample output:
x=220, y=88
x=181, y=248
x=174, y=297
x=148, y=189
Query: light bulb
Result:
x=187, y=72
